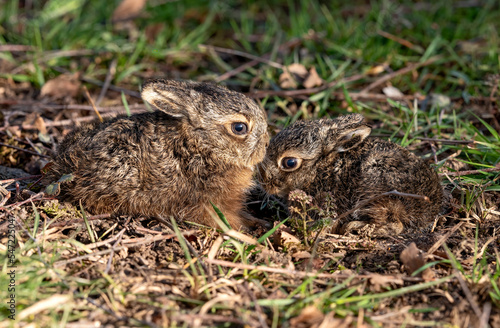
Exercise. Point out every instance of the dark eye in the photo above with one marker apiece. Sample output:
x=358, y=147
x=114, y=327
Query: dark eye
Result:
x=239, y=128
x=289, y=163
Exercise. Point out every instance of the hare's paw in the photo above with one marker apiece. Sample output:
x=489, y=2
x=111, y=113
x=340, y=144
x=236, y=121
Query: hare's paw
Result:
x=369, y=229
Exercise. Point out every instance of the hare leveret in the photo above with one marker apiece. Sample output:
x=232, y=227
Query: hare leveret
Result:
x=334, y=157
x=201, y=147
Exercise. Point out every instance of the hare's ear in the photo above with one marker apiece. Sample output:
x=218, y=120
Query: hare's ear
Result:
x=350, y=138
x=347, y=139
x=171, y=97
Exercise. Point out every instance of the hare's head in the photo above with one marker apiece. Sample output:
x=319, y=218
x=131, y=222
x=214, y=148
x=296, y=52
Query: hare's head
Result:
x=295, y=153
x=213, y=117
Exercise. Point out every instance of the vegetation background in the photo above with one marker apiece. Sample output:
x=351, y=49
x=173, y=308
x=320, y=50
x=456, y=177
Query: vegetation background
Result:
x=424, y=73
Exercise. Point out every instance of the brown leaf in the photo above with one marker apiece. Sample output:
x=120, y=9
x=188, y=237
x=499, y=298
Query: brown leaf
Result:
x=128, y=9
x=330, y=321
x=298, y=70
x=40, y=125
x=287, y=238
x=375, y=70
x=301, y=255
x=380, y=282
x=292, y=75
x=14, y=130
x=65, y=85
x=313, y=79
x=428, y=275
x=309, y=317
x=153, y=30
x=413, y=259
x=287, y=81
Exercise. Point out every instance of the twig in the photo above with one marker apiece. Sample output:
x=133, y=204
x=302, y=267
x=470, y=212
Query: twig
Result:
x=48, y=55
x=69, y=121
x=399, y=40
x=14, y=48
x=129, y=243
x=301, y=274
x=466, y=289
x=483, y=323
x=34, y=147
x=445, y=141
x=31, y=177
x=109, y=76
x=101, y=84
x=5, y=199
x=135, y=107
x=301, y=92
x=261, y=315
x=133, y=240
x=460, y=173
x=110, y=260
x=402, y=71
x=189, y=318
x=32, y=198
x=23, y=150
x=252, y=63
x=444, y=238
x=92, y=103
x=242, y=54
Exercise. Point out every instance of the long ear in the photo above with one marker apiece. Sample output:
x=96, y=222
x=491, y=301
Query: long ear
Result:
x=171, y=97
x=350, y=138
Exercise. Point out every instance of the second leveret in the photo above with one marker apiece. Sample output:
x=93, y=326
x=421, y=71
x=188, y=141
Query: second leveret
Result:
x=335, y=157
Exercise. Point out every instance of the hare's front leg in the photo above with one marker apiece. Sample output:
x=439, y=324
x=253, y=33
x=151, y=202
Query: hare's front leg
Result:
x=383, y=217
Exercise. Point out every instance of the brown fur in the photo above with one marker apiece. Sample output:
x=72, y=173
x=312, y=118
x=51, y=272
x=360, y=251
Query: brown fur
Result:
x=337, y=159
x=171, y=162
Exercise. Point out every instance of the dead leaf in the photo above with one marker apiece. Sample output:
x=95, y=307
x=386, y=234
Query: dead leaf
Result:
x=380, y=282
x=40, y=125
x=301, y=255
x=153, y=30
x=330, y=321
x=128, y=9
x=309, y=317
x=413, y=259
x=298, y=69
x=428, y=275
x=65, y=85
x=439, y=100
x=287, y=239
x=313, y=79
x=375, y=70
x=391, y=91
x=297, y=74
x=14, y=131
x=292, y=75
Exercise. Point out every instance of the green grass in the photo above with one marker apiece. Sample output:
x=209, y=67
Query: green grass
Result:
x=340, y=40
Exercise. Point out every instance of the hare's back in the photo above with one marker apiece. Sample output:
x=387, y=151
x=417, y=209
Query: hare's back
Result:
x=389, y=166
x=119, y=136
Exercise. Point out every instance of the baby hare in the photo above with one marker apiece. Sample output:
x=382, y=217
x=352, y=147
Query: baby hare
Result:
x=201, y=147
x=334, y=157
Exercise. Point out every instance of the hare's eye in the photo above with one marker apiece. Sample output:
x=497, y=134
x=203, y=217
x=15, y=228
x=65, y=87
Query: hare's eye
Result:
x=239, y=128
x=289, y=163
